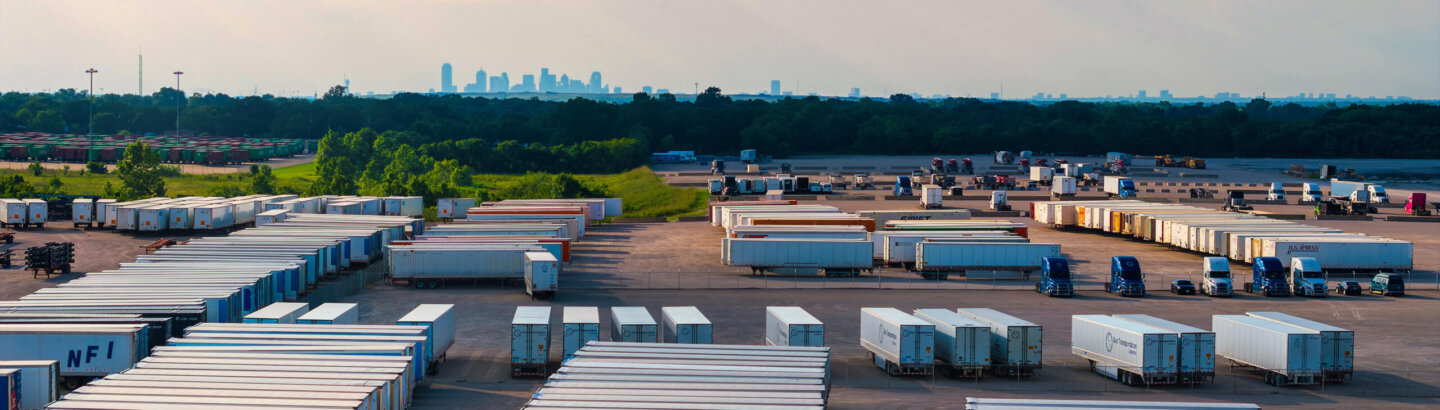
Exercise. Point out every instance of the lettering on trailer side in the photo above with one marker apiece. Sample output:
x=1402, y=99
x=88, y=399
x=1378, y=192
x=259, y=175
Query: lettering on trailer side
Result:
x=1303, y=248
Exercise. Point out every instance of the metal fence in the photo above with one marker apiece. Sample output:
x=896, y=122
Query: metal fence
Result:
x=894, y=278
x=1074, y=374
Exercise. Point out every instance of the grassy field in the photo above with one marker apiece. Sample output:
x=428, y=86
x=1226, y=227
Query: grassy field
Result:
x=645, y=194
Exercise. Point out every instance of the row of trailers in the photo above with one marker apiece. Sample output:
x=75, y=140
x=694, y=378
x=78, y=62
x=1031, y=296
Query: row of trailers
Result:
x=788, y=238
x=270, y=365
x=525, y=240
x=106, y=321
x=1237, y=236
x=216, y=213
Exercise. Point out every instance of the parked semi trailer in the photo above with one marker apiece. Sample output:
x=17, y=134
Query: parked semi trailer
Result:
x=580, y=325
x=530, y=341
x=938, y=259
x=792, y=326
x=1285, y=354
x=686, y=325
x=1195, y=359
x=1015, y=344
x=962, y=345
x=831, y=257
x=901, y=344
x=1131, y=352
x=85, y=351
x=1337, y=345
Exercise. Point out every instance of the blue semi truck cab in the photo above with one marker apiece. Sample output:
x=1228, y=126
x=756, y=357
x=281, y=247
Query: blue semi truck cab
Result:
x=1269, y=278
x=1055, y=277
x=1126, y=278
x=902, y=186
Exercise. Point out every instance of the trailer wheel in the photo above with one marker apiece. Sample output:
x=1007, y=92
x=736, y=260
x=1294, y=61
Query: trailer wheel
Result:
x=434, y=284
x=418, y=284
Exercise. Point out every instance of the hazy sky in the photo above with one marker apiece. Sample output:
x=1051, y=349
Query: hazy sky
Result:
x=1083, y=48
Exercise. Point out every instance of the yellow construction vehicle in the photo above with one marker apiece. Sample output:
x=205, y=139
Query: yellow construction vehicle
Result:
x=1192, y=163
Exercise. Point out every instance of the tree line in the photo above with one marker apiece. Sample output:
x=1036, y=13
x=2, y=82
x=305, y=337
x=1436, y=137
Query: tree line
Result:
x=582, y=135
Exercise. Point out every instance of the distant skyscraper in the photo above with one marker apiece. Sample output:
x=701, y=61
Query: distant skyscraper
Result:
x=500, y=83
x=994, y=96
x=1165, y=95
x=1064, y=96
x=447, y=84
x=647, y=90
x=774, y=87
x=1140, y=95
x=619, y=91
x=547, y=80
x=527, y=84
x=663, y=91
x=855, y=92
x=479, y=85
x=595, y=83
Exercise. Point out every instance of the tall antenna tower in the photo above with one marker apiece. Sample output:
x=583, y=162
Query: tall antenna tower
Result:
x=141, y=90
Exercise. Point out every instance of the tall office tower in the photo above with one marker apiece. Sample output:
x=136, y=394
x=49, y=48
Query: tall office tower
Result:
x=774, y=87
x=547, y=80
x=527, y=83
x=647, y=90
x=500, y=83
x=447, y=84
x=595, y=84
x=1140, y=95
x=855, y=92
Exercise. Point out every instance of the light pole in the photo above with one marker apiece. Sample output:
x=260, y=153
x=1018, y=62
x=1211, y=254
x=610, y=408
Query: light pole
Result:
x=90, y=152
x=178, y=100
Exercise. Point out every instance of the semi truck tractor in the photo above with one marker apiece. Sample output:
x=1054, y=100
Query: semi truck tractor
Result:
x=1119, y=187
x=1217, y=277
x=1055, y=278
x=1306, y=277
x=1268, y=277
x=1126, y=278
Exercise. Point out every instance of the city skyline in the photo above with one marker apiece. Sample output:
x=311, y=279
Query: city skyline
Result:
x=1384, y=48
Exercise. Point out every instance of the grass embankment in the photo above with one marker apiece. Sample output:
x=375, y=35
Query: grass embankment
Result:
x=645, y=194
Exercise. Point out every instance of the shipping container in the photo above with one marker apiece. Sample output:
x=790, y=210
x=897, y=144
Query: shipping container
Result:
x=898, y=342
x=632, y=324
x=450, y=208
x=961, y=344
x=439, y=320
x=1285, y=354
x=1015, y=344
x=331, y=314
x=39, y=383
x=270, y=217
x=530, y=341
x=792, y=326
x=1131, y=352
x=82, y=211
x=581, y=325
x=411, y=206
x=1196, y=360
x=685, y=324
x=37, y=211
x=542, y=274
x=1337, y=345
x=215, y=216
x=283, y=312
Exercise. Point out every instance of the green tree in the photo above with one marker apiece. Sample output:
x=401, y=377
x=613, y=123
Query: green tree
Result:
x=13, y=185
x=139, y=173
x=262, y=181
x=96, y=168
x=36, y=168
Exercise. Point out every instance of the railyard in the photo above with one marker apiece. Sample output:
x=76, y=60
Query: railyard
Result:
x=659, y=264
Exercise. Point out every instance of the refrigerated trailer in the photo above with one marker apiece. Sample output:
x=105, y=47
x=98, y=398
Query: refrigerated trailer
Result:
x=1015, y=344
x=82, y=212
x=1195, y=362
x=901, y=344
x=1131, y=352
x=283, y=312
x=542, y=274
x=632, y=324
x=451, y=208
x=792, y=326
x=962, y=345
x=1285, y=354
x=1337, y=345
x=39, y=383
x=439, y=323
x=685, y=324
x=580, y=325
x=331, y=314
x=530, y=341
